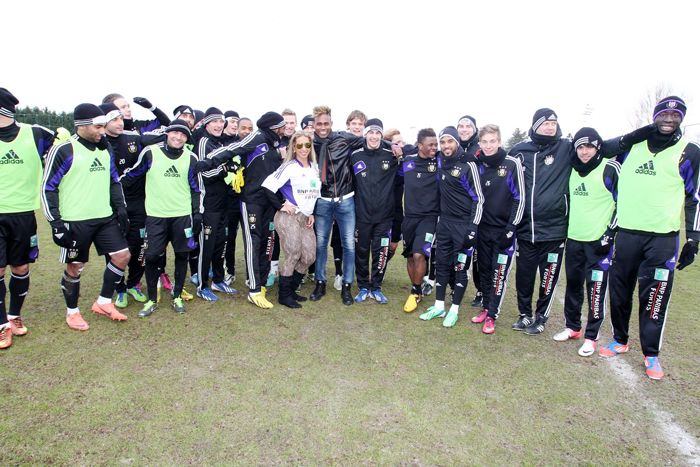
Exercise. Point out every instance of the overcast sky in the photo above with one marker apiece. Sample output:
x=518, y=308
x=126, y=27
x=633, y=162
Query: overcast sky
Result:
x=413, y=64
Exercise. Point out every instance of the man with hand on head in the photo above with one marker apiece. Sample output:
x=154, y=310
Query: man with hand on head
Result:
x=140, y=126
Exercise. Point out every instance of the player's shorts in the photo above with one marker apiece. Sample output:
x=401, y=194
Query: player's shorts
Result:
x=19, y=243
x=105, y=233
x=418, y=235
x=176, y=230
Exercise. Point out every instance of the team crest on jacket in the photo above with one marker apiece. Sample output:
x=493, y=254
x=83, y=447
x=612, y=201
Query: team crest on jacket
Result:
x=501, y=171
x=432, y=167
x=456, y=171
x=549, y=160
x=252, y=218
x=385, y=165
x=131, y=147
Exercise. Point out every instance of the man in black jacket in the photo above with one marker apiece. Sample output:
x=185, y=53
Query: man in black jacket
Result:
x=469, y=140
x=374, y=168
x=502, y=184
x=461, y=209
x=261, y=157
x=546, y=158
x=212, y=238
x=126, y=146
x=141, y=126
x=422, y=202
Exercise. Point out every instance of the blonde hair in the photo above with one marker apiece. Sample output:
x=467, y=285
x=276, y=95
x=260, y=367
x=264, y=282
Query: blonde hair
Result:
x=321, y=110
x=291, y=149
x=490, y=128
x=390, y=133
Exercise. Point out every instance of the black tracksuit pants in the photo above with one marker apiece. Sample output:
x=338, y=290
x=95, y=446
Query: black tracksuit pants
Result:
x=585, y=268
x=136, y=210
x=547, y=257
x=651, y=261
x=212, y=244
x=494, y=266
x=258, y=242
x=374, y=238
x=450, y=255
x=234, y=221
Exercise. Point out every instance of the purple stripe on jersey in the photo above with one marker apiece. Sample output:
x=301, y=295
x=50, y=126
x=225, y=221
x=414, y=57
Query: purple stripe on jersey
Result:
x=154, y=125
x=687, y=175
x=113, y=168
x=142, y=170
x=288, y=193
x=52, y=185
x=511, y=186
x=44, y=146
x=193, y=183
x=259, y=151
x=465, y=183
x=609, y=185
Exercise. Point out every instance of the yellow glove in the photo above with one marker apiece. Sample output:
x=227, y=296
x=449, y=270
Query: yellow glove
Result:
x=62, y=135
x=238, y=180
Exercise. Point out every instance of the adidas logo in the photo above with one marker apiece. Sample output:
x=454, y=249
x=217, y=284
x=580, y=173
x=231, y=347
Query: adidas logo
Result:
x=171, y=172
x=11, y=158
x=646, y=169
x=97, y=166
x=581, y=190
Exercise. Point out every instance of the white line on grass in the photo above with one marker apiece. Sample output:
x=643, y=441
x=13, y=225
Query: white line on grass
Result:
x=676, y=436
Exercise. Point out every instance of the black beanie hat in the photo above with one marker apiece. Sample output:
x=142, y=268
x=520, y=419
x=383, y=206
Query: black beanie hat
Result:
x=469, y=120
x=271, y=120
x=211, y=114
x=182, y=109
x=179, y=125
x=7, y=103
x=541, y=116
x=373, y=124
x=111, y=111
x=306, y=121
x=451, y=132
x=587, y=135
x=231, y=114
x=88, y=114
x=198, y=115
x=673, y=103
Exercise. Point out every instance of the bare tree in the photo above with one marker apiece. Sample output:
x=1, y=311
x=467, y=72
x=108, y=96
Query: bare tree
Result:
x=645, y=110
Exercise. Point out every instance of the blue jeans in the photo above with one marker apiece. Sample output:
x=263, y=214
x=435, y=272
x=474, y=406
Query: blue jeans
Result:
x=345, y=217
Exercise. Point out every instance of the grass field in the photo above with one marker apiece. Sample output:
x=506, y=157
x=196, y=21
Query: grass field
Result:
x=230, y=384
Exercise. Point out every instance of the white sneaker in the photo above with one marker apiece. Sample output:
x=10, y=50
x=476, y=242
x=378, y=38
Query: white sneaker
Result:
x=587, y=349
x=338, y=283
x=229, y=279
x=566, y=334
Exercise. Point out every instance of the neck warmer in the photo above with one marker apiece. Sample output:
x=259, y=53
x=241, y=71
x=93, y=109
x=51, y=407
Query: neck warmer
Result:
x=9, y=133
x=494, y=160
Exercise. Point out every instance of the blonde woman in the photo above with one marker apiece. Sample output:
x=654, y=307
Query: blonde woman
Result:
x=292, y=190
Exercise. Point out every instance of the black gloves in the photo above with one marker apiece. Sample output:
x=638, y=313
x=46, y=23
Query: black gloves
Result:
x=637, y=136
x=61, y=235
x=602, y=248
x=123, y=220
x=688, y=254
x=470, y=238
x=145, y=103
x=505, y=241
x=196, y=224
